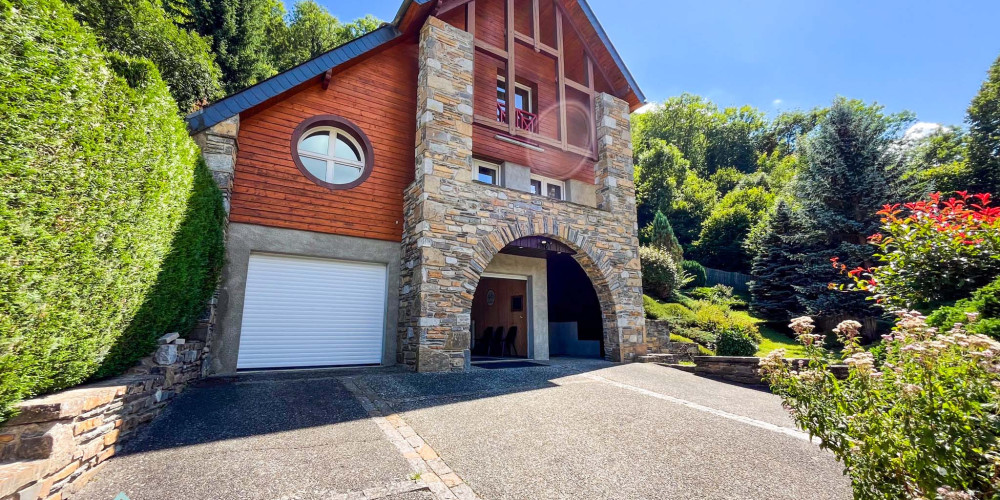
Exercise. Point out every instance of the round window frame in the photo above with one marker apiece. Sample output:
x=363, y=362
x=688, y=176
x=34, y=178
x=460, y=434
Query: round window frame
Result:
x=344, y=125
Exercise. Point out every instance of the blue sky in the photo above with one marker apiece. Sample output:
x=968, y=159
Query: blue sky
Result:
x=925, y=56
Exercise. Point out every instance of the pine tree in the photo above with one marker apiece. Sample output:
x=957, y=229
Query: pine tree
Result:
x=663, y=237
x=984, y=135
x=240, y=31
x=775, y=268
x=849, y=172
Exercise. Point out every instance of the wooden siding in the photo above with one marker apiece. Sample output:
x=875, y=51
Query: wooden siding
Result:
x=378, y=94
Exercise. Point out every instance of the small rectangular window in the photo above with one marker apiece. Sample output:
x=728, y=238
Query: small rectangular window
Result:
x=547, y=187
x=517, y=303
x=487, y=173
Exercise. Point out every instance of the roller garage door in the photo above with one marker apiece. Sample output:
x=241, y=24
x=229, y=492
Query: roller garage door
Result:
x=301, y=312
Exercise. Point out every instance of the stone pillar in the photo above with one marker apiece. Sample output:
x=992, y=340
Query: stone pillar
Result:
x=434, y=327
x=613, y=174
x=219, y=145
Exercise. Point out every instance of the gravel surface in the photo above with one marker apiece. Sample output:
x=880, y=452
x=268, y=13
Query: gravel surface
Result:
x=573, y=429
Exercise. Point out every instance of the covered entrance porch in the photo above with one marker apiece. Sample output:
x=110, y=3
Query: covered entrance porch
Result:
x=534, y=301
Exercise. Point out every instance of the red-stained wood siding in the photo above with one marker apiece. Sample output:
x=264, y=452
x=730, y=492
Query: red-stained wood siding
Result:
x=553, y=162
x=378, y=94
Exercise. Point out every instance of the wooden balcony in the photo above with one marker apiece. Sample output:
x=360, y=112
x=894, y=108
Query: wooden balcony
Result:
x=522, y=119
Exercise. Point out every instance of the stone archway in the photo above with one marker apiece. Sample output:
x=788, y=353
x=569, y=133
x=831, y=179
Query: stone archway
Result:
x=587, y=256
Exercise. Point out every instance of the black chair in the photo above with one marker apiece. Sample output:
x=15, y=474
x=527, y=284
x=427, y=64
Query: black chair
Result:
x=496, y=343
x=508, y=342
x=482, y=347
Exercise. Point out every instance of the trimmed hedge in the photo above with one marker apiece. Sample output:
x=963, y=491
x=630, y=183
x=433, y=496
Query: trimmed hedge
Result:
x=110, y=230
x=735, y=342
x=659, y=272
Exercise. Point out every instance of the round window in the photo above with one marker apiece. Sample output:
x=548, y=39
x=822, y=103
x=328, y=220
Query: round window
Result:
x=332, y=152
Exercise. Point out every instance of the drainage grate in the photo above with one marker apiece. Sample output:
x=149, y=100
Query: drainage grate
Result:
x=506, y=364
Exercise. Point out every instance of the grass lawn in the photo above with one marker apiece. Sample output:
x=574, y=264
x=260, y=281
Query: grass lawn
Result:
x=777, y=340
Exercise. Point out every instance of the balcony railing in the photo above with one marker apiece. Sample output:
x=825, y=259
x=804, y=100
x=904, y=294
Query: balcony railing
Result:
x=522, y=119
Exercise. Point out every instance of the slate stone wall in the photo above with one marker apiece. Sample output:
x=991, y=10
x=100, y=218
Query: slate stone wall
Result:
x=57, y=443
x=454, y=226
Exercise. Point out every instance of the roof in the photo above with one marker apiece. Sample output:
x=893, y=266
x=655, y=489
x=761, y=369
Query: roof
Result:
x=282, y=82
x=603, y=35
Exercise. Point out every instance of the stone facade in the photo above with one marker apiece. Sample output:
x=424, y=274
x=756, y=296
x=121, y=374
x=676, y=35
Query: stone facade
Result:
x=57, y=443
x=454, y=226
x=219, y=144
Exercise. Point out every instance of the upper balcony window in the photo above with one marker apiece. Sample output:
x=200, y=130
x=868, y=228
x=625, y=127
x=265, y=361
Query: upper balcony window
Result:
x=524, y=105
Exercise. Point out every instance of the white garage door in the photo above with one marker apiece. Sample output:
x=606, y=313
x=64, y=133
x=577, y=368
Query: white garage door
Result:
x=311, y=312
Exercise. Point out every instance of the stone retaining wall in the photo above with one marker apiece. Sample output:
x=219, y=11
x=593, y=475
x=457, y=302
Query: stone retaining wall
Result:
x=743, y=369
x=57, y=443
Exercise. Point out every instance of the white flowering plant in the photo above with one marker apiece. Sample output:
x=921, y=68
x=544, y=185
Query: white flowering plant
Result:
x=923, y=424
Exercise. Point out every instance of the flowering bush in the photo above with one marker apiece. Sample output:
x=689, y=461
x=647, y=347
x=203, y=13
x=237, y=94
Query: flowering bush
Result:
x=923, y=424
x=933, y=251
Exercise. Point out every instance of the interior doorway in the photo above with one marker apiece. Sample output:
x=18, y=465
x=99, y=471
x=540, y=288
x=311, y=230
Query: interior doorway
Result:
x=500, y=318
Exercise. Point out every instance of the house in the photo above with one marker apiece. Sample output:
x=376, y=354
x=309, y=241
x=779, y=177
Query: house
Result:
x=457, y=183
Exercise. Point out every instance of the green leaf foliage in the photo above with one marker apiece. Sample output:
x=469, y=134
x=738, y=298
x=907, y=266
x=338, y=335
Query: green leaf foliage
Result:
x=660, y=276
x=141, y=28
x=849, y=172
x=984, y=135
x=735, y=342
x=699, y=277
x=775, y=268
x=111, y=228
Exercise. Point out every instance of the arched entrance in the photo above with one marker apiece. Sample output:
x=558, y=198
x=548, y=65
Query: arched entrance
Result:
x=539, y=296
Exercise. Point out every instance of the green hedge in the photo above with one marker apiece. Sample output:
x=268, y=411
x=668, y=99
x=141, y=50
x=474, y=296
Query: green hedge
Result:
x=110, y=230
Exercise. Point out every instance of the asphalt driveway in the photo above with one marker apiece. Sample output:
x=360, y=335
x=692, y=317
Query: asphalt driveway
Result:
x=573, y=429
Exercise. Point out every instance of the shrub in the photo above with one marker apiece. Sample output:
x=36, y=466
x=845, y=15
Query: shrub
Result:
x=933, y=252
x=984, y=306
x=108, y=238
x=659, y=272
x=923, y=425
x=735, y=342
x=699, y=277
x=704, y=351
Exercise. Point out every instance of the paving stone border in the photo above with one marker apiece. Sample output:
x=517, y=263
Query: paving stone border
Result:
x=432, y=470
x=57, y=443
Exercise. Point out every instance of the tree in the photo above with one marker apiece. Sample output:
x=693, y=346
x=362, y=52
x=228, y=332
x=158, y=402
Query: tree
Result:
x=141, y=28
x=692, y=204
x=241, y=32
x=849, y=172
x=733, y=139
x=721, y=240
x=984, y=135
x=938, y=161
x=656, y=169
x=663, y=237
x=681, y=121
x=311, y=31
x=775, y=269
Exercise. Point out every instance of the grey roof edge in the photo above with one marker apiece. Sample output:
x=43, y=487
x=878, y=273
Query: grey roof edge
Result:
x=603, y=35
x=253, y=95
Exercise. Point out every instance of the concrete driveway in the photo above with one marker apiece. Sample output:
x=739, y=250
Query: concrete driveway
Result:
x=573, y=429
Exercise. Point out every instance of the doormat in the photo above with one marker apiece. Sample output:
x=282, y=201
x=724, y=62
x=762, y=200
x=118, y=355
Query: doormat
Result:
x=507, y=364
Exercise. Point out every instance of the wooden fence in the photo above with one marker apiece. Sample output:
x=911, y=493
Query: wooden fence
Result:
x=736, y=280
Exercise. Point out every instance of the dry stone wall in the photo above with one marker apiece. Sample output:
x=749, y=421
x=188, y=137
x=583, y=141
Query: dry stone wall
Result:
x=57, y=443
x=454, y=225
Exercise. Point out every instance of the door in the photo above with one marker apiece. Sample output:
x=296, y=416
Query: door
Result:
x=501, y=302
x=302, y=312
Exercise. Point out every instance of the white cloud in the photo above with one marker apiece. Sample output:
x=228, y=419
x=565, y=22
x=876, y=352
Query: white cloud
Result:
x=646, y=108
x=776, y=102
x=921, y=130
